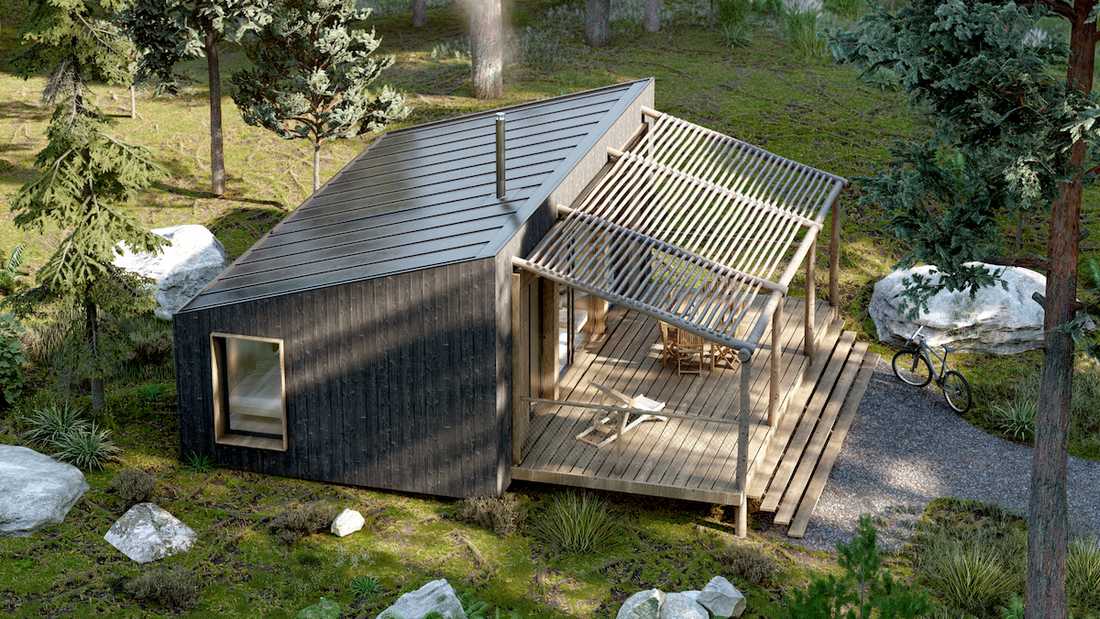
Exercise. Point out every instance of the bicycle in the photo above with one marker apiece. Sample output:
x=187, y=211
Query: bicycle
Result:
x=913, y=365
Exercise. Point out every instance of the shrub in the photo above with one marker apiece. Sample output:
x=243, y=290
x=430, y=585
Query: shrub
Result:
x=751, y=563
x=1016, y=418
x=732, y=12
x=11, y=359
x=1083, y=575
x=864, y=590
x=503, y=515
x=969, y=578
x=575, y=522
x=87, y=448
x=172, y=587
x=133, y=486
x=47, y=425
x=366, y=587
x=298, y=521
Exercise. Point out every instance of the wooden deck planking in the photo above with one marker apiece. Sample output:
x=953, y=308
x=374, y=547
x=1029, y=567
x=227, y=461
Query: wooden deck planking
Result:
x=832, y=450
x=672, y=458
x=824, y=428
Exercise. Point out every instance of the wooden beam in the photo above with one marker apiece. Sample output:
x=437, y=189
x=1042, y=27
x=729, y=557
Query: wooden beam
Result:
x=811, y=298
x=775, y=359
x=521, y=412
x=834, y=256
x=548, y=338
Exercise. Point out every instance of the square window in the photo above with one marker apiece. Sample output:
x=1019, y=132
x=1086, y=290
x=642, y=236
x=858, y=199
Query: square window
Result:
x=249, y=391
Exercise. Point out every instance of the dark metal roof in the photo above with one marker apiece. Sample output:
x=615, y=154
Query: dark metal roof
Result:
x=423, y=197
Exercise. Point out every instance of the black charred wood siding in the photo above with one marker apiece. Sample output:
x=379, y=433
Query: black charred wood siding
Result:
x=391, y=382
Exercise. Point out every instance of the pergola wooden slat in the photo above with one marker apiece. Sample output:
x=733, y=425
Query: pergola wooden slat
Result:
x=689, y=225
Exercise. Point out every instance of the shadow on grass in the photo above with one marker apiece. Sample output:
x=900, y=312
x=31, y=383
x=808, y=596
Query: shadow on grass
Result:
x=239, y=228
x=22, y=110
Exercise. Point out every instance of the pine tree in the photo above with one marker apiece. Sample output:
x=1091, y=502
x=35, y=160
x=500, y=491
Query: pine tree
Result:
x=167, y=31
x=83, y=174
x=486, y=47
x=313, y=66
x=1009, y=137
x=74, y=42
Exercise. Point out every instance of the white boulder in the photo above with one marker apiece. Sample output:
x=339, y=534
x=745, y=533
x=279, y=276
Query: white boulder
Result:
x=721, y=598
x=347, y=522
x=190, y=260
x=146, y=532
x=642, y=605
x=36, y=490
x=682, y=606
x=998, y=320
x=435, y=597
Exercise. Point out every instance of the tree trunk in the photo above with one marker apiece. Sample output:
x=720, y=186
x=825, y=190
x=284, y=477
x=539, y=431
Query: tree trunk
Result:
x=487, y=48
x=420, y=13
x=91, y=334
x=1048, y=519
x=133, y=101
x=597, y=22
x=316, y=166
x=214, y=78
x=652, y=21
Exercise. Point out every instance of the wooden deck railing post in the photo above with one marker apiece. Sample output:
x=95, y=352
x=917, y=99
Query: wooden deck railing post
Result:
x=745, y=407
x=834, y=256
x=548, y=338
x=776, y=358
x=811, y=299
x=521, y=411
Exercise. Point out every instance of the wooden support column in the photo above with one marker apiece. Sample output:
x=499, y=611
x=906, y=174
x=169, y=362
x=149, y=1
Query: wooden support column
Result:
x=743, y=444
x=834, y=256
x=776, y=359
x=596, y=323
x=521, y=374
x=811, y=299
x=548, y=338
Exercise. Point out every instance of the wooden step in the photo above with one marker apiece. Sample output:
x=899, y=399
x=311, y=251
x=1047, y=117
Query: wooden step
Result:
x=806, y=422
x=791, y=409
x=810, y=455
x=832, y=450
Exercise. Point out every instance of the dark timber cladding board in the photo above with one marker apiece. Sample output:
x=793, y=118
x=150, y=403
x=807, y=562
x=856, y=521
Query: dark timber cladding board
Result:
x=424, y=197
x=390, y=382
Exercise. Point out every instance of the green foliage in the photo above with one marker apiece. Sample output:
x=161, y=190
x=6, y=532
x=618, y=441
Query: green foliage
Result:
x=864, y=590
x=969, y=578
x=12, y=359
x=749, y=562
x=1016, y=418
x=732, y=12
x=11, y=270
x=47, y=425
x=1083, y=576
x=199, y=463
x=74, y=42
x=323, y=609
x=366, y=587
x=575, y=522
x=88, y=448
x=503, y=515
x=133, y=486
x=311, y=75
x=298, y=521
x=800, y=25
x=175, y=588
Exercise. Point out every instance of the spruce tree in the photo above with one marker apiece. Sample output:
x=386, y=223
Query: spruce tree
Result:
x=73, y=42
x=1013, y=118
x=313, y=66
x=167, y=31
x=83, y=174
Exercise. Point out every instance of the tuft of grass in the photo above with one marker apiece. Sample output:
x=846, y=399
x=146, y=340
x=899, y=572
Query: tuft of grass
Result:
x=133, y=486
x=88, y=448
x=800, y=27
x=298, y=521
x=751, y=563
x=504, y=515
x=575, y=522
x=366, y=587
x=199, y=463
x=1083, y=576
x=969, y=578
x=174, y=587
x=1016, y=418
x=47, y=425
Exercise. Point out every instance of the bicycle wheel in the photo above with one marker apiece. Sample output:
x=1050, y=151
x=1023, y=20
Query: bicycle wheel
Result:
x=956, y=391
x=912, y=368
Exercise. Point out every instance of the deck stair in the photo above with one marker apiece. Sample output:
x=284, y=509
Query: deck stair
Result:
x=806, y=442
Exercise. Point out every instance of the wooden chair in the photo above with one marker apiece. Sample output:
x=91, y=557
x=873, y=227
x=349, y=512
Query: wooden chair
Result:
x=670, y=349
x=691, y=353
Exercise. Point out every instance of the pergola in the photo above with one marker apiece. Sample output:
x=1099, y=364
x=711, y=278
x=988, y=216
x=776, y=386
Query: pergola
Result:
x=692, y=227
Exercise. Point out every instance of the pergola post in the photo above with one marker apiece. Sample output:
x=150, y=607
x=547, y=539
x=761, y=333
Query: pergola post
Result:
x=548, y=338
x=743, y=444
x=776, y=358
x=811, y=298
x=834, y=256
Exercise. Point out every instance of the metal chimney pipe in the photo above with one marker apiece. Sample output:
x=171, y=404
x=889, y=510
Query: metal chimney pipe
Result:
x=500, y=155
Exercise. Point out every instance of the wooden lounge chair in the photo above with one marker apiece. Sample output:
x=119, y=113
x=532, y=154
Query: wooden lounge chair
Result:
x=608, y=426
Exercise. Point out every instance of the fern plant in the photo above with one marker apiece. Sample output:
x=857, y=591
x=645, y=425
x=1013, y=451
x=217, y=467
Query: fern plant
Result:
x=11, y=270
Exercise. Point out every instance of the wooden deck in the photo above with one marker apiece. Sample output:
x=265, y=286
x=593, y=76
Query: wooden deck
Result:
x=692, y=459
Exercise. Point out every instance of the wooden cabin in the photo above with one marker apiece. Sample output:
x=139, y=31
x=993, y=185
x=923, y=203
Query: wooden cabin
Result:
x=580, y=290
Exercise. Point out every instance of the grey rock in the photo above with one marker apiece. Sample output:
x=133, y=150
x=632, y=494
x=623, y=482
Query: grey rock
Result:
x=996, y=320
x=147, y=533
x=36, y=490
x=183, y=267
x=642, y=605
x=721, y=598
x=435, y=597
x=682, y=606
x=324, y=609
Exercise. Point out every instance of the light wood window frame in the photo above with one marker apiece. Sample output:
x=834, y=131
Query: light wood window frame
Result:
x=218, y=367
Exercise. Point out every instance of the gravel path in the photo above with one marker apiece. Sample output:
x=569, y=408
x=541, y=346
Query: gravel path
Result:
x=907, y=447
